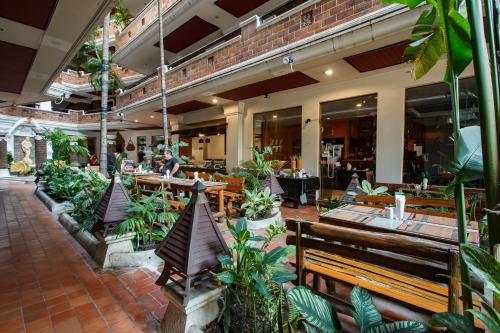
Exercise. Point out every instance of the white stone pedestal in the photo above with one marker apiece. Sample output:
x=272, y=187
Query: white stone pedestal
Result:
x=112, y=244
x=201, y=310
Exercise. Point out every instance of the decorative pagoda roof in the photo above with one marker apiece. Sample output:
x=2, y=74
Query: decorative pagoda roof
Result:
x=192, y=245
x=353, y=187
x=272, y=182
x=114, y=205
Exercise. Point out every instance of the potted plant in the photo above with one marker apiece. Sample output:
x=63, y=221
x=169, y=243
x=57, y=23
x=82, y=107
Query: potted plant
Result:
x=260, y=210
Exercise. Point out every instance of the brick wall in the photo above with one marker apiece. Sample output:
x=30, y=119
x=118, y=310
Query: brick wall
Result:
x=40, y=152
x=141, y=22
x=18, y=151
x=326, y=14
x=73, y=116
x=72, y=77
x=3, y=154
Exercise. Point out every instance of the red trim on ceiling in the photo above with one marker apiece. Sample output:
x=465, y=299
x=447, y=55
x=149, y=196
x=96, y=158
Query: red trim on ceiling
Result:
x=187, y=107
x=280, y=83
x=35, y=13
x=188, y=34
x=239, y=8
x=380, y=58
x=15, y=63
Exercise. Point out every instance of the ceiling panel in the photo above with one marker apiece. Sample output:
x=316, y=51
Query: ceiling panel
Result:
x=380, y=58
x=15, y=62
x=35, y=13
x=280, y=83
x=188, y=34
x=187, y=107
x=239, y=8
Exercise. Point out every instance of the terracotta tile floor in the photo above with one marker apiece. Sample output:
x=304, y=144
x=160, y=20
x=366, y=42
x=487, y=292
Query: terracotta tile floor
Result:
x=48, y=283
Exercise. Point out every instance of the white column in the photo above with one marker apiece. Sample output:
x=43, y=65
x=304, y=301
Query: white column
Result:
x=175, y=124
x=390, y=134
x=235, y=114
x=310, y=136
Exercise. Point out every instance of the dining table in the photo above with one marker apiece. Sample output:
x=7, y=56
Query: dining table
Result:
x=183, y=184
x=437, y=228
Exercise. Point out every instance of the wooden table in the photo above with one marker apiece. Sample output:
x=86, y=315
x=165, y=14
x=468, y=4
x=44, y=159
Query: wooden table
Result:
x=141, y=175
x=183, y=184
x=438, y=228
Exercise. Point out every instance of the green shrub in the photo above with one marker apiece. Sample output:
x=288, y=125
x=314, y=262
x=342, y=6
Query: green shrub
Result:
x=258, y=203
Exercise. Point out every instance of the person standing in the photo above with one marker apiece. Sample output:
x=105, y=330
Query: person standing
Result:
x=140, y=155
x=170, y=163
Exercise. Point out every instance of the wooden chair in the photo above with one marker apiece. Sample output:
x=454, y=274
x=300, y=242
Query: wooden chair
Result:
x=421, y=203
x=202, y=175
x=395, y=269
x=233, y=193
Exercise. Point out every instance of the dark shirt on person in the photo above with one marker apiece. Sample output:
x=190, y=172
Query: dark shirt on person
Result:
x=169, y=165
x=140, y=156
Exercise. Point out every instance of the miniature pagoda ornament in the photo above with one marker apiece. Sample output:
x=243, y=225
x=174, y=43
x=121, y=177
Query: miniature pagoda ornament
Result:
x=191, y=248
x=114, y=205
x=272, y=182
x=352, y=190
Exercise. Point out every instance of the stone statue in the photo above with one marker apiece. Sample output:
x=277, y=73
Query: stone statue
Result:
x=26, y=147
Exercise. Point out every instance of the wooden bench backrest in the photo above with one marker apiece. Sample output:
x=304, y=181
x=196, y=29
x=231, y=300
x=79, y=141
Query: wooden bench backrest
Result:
x=410, y=255
x=234, y=184
x=381, y=201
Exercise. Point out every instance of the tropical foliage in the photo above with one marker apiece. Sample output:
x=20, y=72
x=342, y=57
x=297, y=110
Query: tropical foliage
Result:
x=259, y=164
x=120, y=14
x=317, y=315
x=147, y=216
x=441, y=29
x=258, y=204
x=254, y=277
x=93, y=66
x=63, y=144
x=367, y=189
x=484, y=266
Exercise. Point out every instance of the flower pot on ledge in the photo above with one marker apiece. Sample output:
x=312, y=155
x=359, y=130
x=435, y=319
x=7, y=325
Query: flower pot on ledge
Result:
x=112, y=244
x=264, y=223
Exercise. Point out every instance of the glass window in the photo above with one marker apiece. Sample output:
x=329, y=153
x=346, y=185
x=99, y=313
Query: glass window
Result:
x=429, y=129
x=348, y=139
x=280, y=129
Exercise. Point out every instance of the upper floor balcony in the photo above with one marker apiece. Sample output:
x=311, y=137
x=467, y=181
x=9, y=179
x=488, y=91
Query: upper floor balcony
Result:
x=188, y=26
x=257, y=37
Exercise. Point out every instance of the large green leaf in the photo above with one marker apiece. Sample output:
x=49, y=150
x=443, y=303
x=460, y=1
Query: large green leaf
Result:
x=426, y=52
x=483, y=265
x=460, y=43
x=225, y=277
x=365, y=313
x=468, y=161
x=493, y=325
x=282, y=277
x=314, y=309
x=455, y=322
x=274, y=255
x=405, y=326
x=409, y=3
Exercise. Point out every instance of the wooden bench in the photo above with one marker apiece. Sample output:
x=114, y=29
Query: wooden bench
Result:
x=398, y=269
x=382, y=201
x=233, y=193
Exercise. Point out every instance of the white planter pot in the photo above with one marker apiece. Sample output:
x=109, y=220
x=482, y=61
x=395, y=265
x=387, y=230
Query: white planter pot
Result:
x=263, y=223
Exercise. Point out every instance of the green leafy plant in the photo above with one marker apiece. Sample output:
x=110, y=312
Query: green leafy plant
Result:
x=367, y=189
x=10, y=158
x=65, y=183
x=146, y=215
x=93, y=66
x=251, y=182
x=259, y=164
x=120, y=14
x=467, y=164
x=487, y=269
x=258, y=204
x=317, y=315
x=442, y=29
x=86, y=201
x=63, y=144
x=254, y=275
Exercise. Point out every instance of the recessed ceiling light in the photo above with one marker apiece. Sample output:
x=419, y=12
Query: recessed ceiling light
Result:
x=329, y=72
x=136, y=121
x=359, y=105
x=328, y=118
x=214, y=100
x=151, y=116
x=275, y=116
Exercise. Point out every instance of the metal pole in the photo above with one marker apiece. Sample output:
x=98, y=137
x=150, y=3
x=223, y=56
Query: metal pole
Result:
x=490, y=28
x=103, y=164
x=162, y=78
x=487, y=115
